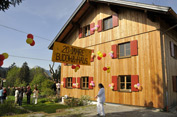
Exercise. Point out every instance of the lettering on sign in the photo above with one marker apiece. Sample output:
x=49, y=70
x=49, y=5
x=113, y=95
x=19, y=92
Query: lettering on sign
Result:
x=65, y=53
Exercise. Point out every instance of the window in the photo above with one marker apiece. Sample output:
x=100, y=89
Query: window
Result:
x=86, y=30
x=69, y=82
x=125, y=83
x=124, y=50
x=85, y=82
x=174, y=81
x=175, y=51
x=107, y=23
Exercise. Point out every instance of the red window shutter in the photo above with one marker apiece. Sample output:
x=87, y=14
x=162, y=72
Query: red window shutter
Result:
x=114, y=49
x=115, y=20
x=174, y=83
x=92, y=25
x=79, y=82
x=64, y=82
x=172, y=49
x=134, y=80
x=100, y=23
x=73, y=81
x=90, y=79
x=80, y=33
x=92, y=58
x=134, y=47
x=114, y=80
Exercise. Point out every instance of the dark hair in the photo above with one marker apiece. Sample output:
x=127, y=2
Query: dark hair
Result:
x=100, y=85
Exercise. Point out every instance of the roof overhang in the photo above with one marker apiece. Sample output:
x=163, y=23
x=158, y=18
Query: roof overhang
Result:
x=84, y=5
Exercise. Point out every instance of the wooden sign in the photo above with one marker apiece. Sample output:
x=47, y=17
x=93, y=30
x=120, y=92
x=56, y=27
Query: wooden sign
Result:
x=65, y=53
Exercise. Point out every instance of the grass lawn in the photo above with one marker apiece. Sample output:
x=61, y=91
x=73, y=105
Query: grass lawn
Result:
x=42, y=106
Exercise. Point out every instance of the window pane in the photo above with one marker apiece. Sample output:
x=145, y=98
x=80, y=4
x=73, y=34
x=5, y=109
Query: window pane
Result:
x=105, y=24
x=83, y=84
x=87, y=85
x=127, y=46
x=85, y=31
x=122, y=86
x=128, y=79
x=88, y=30
x=121, y=50
x=83, y=79
x=122, y=79
x=128, y=86
x=110, y=22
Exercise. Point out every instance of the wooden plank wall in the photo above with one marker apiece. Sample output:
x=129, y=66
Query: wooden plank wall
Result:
x=133, y=25
x=171, y=63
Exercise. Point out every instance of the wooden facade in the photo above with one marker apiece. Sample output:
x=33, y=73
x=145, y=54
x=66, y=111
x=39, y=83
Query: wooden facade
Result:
x=152, y=65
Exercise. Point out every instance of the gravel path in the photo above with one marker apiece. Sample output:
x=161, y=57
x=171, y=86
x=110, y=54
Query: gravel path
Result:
x=110, y=110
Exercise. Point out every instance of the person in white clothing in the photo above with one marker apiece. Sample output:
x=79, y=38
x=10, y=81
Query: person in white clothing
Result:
x=16, y=94
x=100, y=100
x=35, y=95
x=58, y=88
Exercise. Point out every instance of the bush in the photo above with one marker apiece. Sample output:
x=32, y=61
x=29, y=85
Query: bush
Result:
x=53, y=99
x=84, y=100
x=8, y=108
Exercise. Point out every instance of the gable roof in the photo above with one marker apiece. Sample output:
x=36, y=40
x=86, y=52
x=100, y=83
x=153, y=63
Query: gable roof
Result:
x=86, y=4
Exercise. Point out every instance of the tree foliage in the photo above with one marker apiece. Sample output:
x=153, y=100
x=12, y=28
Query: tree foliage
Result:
x=37, y=76
x=12, y=76
x=24, y=74
x=5, y=4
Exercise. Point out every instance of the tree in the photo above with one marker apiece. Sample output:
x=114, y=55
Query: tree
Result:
x=24, y=73
x=5, y=4
x=12, y=76
x=56, y=74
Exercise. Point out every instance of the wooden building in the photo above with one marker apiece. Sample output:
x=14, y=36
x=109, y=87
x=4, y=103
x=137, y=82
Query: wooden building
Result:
x=143, y=40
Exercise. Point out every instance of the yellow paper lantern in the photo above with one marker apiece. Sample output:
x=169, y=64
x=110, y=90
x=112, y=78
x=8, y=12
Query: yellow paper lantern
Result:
x=108, y=71
x=29, y=41
x=5, y=55
x=135, y=86
x=98, y=52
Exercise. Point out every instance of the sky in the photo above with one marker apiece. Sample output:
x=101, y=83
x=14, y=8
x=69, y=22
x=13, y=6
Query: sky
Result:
x=42, y=19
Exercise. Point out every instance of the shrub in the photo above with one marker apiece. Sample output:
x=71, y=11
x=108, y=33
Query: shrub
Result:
x=84, y=100
x=8, y=108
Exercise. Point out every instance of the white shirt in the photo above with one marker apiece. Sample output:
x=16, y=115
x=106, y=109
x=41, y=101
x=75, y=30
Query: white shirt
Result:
x=16, y=93
x=35, y=93
x=101, y=95
x=58, y=85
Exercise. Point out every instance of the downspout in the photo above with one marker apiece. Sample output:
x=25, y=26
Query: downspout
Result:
x=165, y=66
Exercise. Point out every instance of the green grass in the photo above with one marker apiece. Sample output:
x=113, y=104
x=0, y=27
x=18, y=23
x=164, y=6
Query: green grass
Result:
x=42, y=106
x=47, y=108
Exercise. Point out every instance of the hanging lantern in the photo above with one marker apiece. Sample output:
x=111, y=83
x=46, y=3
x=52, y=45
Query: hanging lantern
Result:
x=104, y=54
x=78, y=66
x=104, y=68
x=2, y=57
x=5, y=55
x=30, y=36
x=73, y=67
x=99, y=58
x=1, y=63
x=33, y=43
x=29, y=41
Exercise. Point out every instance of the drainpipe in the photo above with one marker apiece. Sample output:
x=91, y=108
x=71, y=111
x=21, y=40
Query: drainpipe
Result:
x=165, y=66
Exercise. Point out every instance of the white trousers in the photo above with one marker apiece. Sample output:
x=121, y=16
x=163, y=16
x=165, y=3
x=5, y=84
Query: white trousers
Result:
x=100, y=108
x=35, y=100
